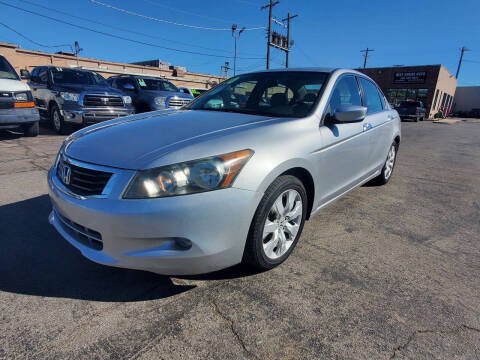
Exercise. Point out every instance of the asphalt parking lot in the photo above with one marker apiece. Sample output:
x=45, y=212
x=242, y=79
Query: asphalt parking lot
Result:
x=386, y=272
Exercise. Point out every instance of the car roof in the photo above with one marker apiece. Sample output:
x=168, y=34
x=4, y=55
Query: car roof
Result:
x=138, y=77
x=311, y=69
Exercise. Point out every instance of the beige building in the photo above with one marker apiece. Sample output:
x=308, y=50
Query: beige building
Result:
x=28, y=59
x=434, y=85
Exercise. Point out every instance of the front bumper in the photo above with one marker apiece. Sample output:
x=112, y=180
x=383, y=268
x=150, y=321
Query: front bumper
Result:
x=18, y=116
x=76, y=114
x=142, y=234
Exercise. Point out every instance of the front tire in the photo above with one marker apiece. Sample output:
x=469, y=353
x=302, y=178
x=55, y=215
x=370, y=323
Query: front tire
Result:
x=31, y=130
x=58, y=122
x=277, y=224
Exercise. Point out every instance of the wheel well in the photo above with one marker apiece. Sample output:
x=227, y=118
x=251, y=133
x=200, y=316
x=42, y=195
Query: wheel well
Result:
x=306, y=178
x=51, y=104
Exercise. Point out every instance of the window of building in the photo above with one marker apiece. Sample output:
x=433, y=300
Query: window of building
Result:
x=371, y=97
x=435, y=100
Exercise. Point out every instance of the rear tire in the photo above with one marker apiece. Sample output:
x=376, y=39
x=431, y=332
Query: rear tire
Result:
x=388, y=166
x=58, y=122
x=277, y=223
x=31, y=130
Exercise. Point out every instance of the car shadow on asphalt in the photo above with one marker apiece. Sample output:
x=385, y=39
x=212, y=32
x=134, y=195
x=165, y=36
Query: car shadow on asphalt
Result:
x=13, y=134
x=35, y=260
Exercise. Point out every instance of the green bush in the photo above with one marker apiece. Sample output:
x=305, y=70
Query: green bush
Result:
x=438, y=115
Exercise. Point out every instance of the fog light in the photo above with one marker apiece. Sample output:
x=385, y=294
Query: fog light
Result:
x=183, y=243
x=69, y=115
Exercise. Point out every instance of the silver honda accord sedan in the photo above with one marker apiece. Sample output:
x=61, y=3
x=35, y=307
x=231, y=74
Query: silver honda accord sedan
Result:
x=229, y=178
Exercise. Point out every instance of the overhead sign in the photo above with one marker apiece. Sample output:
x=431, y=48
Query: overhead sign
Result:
x=410, y=77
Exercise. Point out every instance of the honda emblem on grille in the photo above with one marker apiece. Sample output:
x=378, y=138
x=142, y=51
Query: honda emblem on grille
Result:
x=66, y=173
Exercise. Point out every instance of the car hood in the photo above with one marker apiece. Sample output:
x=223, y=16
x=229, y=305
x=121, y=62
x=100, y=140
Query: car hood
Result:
x=8, y=85
x=104, y=90
x=155, y=93
x=135, y=142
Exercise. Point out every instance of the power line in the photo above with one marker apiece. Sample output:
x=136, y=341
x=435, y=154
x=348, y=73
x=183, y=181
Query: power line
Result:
x=120, y=28
x=33, y=41
x=155, y=3
x=166, y=21
x=120, y=37
x=472, y=61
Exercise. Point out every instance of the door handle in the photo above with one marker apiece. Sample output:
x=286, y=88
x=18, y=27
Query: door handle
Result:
x=367, y=126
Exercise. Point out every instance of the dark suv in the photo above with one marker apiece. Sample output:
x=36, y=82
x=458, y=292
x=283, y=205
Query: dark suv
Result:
x=69, y=96
x=150, y=93
x=411, y=110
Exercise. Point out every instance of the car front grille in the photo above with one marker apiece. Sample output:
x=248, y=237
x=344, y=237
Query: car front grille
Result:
x=102, y=100
x=84, y=235
x=80, y=180
x=178, y=102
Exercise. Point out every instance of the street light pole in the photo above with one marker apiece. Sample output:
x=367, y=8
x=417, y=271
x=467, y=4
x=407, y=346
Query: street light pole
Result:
x=235, y=37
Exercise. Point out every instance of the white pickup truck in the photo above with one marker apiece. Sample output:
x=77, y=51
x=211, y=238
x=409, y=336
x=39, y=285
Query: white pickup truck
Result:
x=17, y=108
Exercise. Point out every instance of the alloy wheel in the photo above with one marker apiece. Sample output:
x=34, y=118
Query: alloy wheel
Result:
x=56, y=120
x=282, y=224
x=390, y=162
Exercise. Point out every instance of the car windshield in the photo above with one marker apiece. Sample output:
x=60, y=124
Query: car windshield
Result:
x=410, y=104
x=282, y=93
x=71, y=76
x=7, y=71
x=156, y=85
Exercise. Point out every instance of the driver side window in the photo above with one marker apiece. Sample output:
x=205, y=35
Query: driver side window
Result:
x=346, y=92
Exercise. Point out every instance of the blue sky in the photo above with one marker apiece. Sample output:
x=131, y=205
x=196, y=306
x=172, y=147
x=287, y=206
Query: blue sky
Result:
x=326, y=33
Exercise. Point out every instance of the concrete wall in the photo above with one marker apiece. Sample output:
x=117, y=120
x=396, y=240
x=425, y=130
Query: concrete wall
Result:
x=467, y=98
x=446, y=85
x=28, y=59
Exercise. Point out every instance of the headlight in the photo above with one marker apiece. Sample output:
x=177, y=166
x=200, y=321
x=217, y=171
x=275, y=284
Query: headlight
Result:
x=207, y=174
x=22, y=96
x=68, y=96
x=161, y=100
x=127, y=100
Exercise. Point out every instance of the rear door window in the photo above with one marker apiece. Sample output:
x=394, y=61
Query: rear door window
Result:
x=371, y=97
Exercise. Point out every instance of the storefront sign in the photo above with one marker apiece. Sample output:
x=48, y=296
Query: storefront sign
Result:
x=410, y=77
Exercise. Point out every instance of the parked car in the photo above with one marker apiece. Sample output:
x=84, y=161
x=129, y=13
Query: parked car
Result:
x=69, y=96
x=218, y=183
x=150, y=93
x=195, y=92
x=17, y=109
x=411, y=110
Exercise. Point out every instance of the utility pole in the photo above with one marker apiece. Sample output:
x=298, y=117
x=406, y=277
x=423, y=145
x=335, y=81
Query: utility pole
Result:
x=269, y=33
x=366, y=51
x=287, y=53
x=77, y=48
x=224, y=69
x=236, y=37
x=462, y=50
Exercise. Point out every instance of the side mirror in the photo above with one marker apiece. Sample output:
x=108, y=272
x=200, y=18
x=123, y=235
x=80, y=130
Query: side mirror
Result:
x=25, y=74
x=129, y=87
x=350, y=113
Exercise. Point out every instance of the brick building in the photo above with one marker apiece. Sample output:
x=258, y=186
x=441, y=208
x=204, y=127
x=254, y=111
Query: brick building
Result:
x=28, y=59
x=434, y=85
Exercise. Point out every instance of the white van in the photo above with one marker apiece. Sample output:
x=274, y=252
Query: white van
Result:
x=17, y=108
